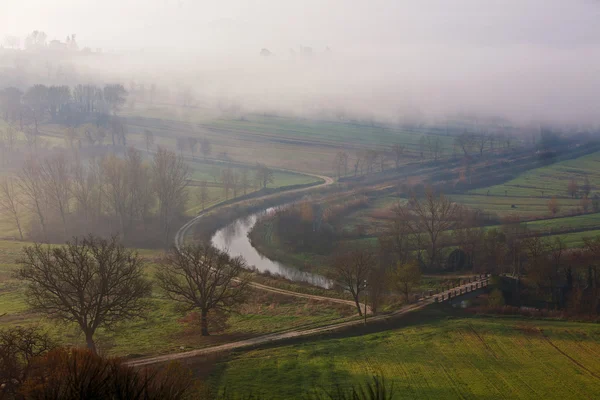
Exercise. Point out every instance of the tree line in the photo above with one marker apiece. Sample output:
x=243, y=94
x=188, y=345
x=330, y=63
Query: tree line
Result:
x=26, y=110
x=62, y=195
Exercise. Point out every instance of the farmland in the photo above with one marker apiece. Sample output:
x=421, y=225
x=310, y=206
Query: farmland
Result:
x=552, y=180
x=434, y=355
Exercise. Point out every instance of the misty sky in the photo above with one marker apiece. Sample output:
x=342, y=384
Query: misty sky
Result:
x=285, y=23
x=534, y=58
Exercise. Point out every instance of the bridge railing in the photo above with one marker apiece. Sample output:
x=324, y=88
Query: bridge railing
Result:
x=467, y=285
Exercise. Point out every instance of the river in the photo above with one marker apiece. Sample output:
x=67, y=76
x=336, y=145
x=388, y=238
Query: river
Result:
x=234, y=239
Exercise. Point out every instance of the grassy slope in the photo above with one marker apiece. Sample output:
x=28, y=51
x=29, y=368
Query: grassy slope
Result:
x=466, y=357
x=166, y=329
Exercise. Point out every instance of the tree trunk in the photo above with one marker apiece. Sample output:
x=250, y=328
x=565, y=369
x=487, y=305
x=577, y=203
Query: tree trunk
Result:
x=356, y=300
x=204, y=322
x=91, y=345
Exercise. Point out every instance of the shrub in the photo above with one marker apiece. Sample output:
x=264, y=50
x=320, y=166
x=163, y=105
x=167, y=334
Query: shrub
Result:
x=496, y=298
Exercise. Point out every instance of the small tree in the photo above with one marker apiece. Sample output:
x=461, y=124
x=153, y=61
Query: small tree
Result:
x=264, y=175
x=351, y=269
x=406, y=277
x=193, y=144
x=149, y=138
x=585, y=203
x=205, y=278
x=587, y=187
x=398, y=151
x=203, y=196
x=572, y=188
x=10, y=201
x=553, y=206
x=205, y=148
x=92, y=282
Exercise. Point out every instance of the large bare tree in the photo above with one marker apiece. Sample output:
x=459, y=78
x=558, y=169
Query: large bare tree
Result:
x=91, y=282
x=350, y=270
x=170, y=180
x=204, y=278
x=429, y=217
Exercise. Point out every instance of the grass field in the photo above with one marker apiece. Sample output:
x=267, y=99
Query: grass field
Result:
x=552, y=180
x=435, y=356
x=166, y=328
x=523, y=206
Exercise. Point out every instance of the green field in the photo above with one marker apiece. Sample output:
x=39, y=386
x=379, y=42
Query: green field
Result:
x=166, y=328
x=434, y=356
x=552, y=180
x=523, y=206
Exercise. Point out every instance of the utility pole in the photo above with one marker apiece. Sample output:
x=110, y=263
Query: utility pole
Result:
x=365, y=302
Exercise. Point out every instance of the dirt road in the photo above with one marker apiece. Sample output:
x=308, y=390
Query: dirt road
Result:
x=277, y=337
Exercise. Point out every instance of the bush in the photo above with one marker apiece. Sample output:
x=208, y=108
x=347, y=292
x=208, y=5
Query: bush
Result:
x=65, y=374
x=496, y=298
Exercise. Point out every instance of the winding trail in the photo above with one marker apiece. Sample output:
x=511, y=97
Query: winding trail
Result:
x=300, y=332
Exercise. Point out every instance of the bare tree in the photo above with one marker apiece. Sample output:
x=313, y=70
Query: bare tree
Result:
x=264, y=175
x=116, y=188
x=57, y=185
x=205, y=278
x=10, y=137
x=431, y=216
x=553, y=206
x=398, y=151
x=406, y=277
x=193, y=144
x=205, y=148
x=30, y=183
x=572, y=188
x=149, y=138
x=170, y=178
x=465, y=141
x=482, y=140
x=586, y=188
x=340, y=163
x=10, y=201
x=84, y=184
x=141, y=197
x=91, y=282
x=350, y=270
x=203, y=196
x=181, y=144
x=227, y=181
x=244, y=183
x=435, y=147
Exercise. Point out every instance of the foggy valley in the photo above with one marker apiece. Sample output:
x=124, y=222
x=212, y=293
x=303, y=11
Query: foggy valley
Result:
x=319, y=199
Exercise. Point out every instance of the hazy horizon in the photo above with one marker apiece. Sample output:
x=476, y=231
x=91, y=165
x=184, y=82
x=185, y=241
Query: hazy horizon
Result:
x=526, y=60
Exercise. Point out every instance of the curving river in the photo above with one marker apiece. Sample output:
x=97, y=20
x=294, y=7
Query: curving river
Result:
x=234, y=239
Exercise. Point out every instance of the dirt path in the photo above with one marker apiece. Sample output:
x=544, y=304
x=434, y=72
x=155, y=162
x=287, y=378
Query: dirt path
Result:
x=277, y=337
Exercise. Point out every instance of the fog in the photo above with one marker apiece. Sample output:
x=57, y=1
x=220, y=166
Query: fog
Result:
x=528, y=60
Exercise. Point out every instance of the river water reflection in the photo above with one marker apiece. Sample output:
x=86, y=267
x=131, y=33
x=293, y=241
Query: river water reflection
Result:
x=234, y=239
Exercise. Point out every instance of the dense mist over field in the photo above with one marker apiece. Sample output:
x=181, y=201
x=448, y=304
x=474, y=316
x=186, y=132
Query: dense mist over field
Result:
x=527, y=60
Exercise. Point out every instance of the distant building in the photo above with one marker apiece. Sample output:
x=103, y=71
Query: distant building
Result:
x=57, y=45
